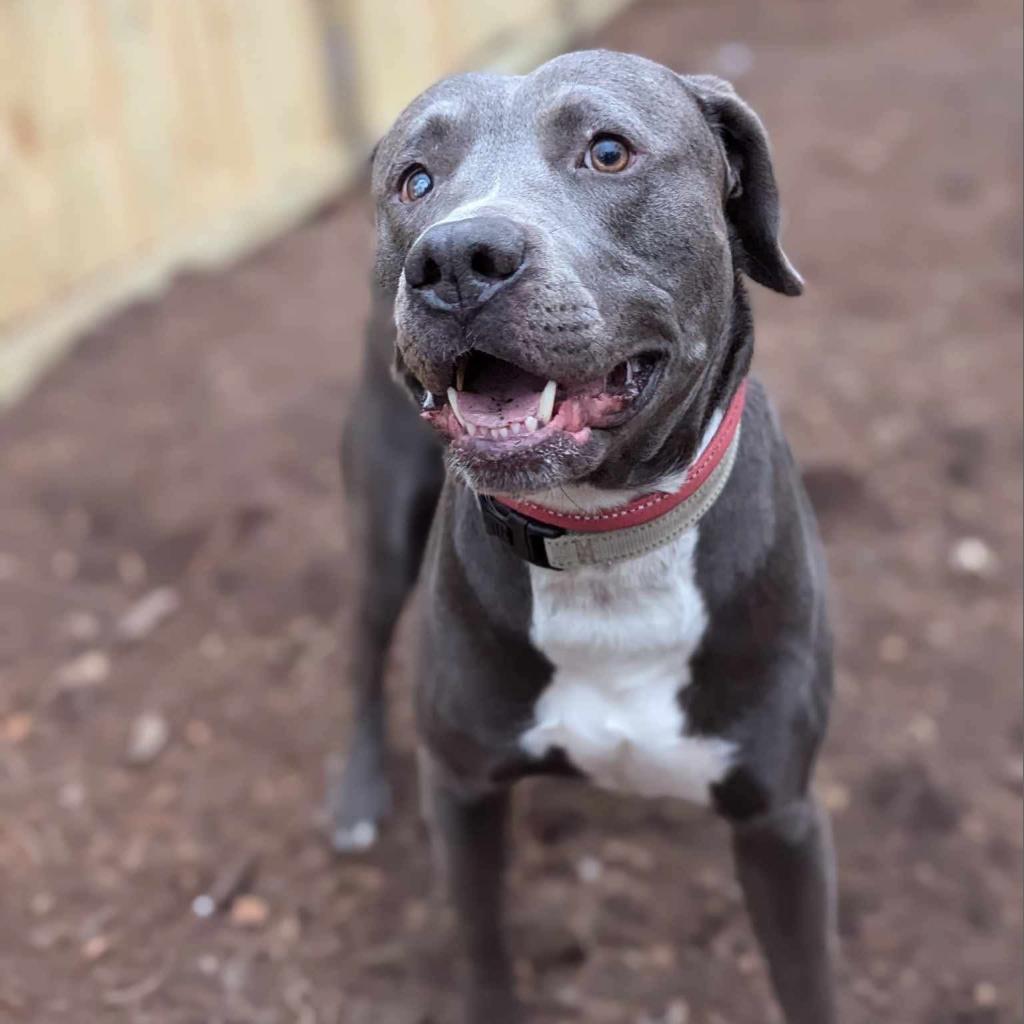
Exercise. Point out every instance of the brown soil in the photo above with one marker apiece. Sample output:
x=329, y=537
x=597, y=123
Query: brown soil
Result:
x=190, y=444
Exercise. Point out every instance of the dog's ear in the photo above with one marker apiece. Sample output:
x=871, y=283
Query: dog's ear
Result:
x=751, y=196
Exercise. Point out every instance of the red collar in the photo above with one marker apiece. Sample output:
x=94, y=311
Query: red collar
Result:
x=648, y=506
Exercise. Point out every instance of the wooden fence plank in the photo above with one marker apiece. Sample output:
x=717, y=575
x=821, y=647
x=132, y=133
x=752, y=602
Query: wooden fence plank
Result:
x=140, y=135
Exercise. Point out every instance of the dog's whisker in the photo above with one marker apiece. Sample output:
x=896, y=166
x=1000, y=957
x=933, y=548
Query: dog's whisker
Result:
x=569, y=498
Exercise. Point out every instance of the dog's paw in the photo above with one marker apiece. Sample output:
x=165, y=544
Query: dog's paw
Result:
x=358, y=800
x=354, y=838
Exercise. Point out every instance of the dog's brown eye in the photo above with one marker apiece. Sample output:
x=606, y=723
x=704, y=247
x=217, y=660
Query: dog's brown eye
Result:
x=608, y=154
x=416, y=183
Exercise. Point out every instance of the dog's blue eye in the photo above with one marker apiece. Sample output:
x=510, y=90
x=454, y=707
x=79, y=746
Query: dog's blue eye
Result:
x=609, y=154
x=416, y=184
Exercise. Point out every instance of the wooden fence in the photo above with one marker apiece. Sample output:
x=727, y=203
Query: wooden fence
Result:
x=141, y=136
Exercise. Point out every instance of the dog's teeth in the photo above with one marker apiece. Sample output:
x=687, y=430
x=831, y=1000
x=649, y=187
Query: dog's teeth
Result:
x=470, y=429
x=547, y=403
x=517, y=428
x=504, y=431
x=453, y=401
x=429, y=402
x=530, y=423
x=629, y=372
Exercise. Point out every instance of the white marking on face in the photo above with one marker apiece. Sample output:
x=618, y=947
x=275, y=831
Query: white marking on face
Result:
x=620, y=639
x=471, y=208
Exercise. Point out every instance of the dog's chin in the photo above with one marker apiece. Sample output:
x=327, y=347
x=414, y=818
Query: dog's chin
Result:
x=505, y=467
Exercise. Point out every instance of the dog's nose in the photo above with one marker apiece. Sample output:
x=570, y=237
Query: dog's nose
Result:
x=461, y=264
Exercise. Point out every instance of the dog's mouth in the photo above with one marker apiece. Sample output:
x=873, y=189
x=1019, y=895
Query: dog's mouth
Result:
x=498, y=407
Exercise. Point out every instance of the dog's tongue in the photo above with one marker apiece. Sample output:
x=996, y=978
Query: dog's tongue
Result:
x=500, y=394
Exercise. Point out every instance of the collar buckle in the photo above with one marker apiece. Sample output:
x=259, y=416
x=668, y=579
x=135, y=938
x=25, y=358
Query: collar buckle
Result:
x=523, y=535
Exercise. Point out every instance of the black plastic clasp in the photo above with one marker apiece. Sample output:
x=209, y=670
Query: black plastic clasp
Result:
x=523, y=535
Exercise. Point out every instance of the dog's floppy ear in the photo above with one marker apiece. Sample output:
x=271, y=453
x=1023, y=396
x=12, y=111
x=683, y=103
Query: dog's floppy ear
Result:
x=752, y=198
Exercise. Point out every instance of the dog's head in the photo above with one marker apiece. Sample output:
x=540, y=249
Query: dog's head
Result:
x=565, y=249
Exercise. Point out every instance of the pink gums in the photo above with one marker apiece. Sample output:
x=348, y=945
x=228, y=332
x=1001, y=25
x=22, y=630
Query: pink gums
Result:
x=487, y=413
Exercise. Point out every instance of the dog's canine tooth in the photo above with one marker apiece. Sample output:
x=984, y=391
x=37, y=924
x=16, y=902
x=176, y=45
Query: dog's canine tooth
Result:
x=453, y=401
x=547, y=403
x=429, y=402
x=629, y=372
x=470, y=429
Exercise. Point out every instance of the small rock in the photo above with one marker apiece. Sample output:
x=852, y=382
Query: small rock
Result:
x=42, y=903
x=81, y=626
x=71, y=796
x=972, y=556
x=923, y=728
x=986, y=994
x=88, y=669
x=893, y=649
x=208, y=964
x=17, y=727
x=836, y=797
x=589, y=869
x=148, y=737
x=204, y=905
x=146, y=614
x=249, y=912
x=96, y=947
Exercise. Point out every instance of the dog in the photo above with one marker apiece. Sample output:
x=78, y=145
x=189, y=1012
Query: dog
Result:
x=622, y=576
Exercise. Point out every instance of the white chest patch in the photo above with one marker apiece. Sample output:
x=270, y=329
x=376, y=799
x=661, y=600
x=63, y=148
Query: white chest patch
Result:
x=621, y=638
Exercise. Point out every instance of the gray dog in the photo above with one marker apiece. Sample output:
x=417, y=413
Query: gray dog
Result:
x=623, y=580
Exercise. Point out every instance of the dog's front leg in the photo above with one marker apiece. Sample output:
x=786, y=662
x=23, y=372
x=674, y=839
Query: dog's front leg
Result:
x=784, y=861
x=391, y=470
x=470, y=833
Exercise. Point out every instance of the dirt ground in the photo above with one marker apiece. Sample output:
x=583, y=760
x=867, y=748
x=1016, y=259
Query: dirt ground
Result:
x=184, y=457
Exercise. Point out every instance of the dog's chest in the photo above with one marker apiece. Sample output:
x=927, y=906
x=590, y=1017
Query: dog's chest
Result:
x=620, y=639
